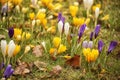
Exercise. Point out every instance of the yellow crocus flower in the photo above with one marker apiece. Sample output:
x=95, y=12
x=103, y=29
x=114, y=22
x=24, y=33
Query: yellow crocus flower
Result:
x=106, y=17
x=90, y=56
x=40, y=16
x=61, y=49
x=67, y=57
x=46, y=2
x=51, y=6
x=32, y=15
x=95, y=54
x=56, y=41
x=73, y=10
x=17, y=50
x=78, y=21
x=52, y=51
x=95, y=6
x=44, y=22
x=17, y=32
x=28, y=35
x=52, y=29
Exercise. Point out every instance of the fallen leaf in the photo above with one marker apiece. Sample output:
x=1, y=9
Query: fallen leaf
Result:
x=21, y=69
x=56, y=70
x=38, y=50
x=74, y=61
x=40, y=65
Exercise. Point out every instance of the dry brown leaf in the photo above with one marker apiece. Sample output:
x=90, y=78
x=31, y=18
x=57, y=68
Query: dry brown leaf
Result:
x=74, y=61
x=21, y=69
x=40, y=65
x=56, y=70
x=38, y=50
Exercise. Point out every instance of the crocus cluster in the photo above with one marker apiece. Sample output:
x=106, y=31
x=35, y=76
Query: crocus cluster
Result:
x=62, y=26
x=58, y=47
x=17, y=33
x=9, y=50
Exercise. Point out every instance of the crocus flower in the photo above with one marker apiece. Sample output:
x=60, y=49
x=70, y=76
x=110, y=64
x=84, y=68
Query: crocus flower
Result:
x=87, y=44
x=8, y=71
x=60, y=17
x=60, y=26
x=11, y=32
x=73, y=10
x=90, y=55
x=88, y=4
x=17, y=49
x=112, y=45
x=81, y=30
x=56, y=41
x=78, y=21
x=67, y=26
x=90, y=44
x=91, y=36
x=97, y=11
x=4, y=9
x=32, y=15
x=100, y=45
x=11, y=48
x=52, y=51
x=97, y=30
x=27, y=49
x=61, y=48
x=4, y=47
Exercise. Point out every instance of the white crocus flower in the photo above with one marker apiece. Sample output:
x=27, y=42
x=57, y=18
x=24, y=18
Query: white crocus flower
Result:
x=60, y=26
x=11, y=48
x=85, y=44
x=88, y=4
x=67, y=26
x=90, y=44
x=33, y=22
x=97, y=11
x=3, y=47
x=43, y=44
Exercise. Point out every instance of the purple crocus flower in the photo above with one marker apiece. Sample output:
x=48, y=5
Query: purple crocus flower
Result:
x=112, y=45
x=11, y=32
x=97, y=30
x=81, y=31
x=100, y=45
x=8, y=71
x=91, y=36
x=60, y=17
x=2, y=65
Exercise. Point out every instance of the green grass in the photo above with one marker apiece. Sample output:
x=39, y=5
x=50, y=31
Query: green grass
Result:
x=86, y=72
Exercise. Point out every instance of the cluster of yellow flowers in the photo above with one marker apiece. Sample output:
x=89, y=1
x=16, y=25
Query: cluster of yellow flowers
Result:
x=58, y=47
x=21, y=36
x=90, y=55
x=40, y=17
